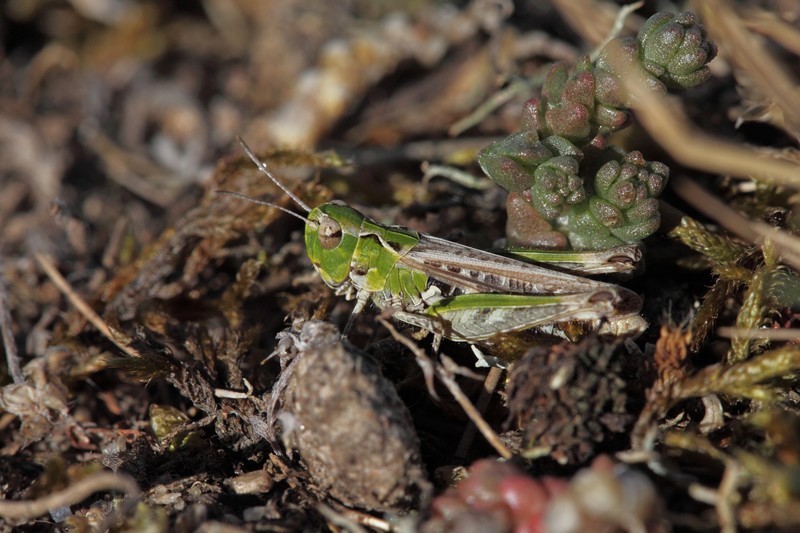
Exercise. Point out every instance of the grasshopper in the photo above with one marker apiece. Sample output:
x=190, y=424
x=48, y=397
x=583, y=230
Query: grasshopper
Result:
x=455, y=291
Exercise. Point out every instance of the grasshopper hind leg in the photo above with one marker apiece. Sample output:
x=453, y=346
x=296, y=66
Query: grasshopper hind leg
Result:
x=487, y=361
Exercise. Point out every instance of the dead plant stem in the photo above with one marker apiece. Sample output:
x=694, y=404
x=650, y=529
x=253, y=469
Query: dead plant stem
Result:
x=75, y=493
x=446, y=377
x=118, y=338
x=12, y=356
x=489, y=386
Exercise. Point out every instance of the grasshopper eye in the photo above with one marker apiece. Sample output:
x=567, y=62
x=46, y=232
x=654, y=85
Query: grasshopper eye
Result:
x=330, y=233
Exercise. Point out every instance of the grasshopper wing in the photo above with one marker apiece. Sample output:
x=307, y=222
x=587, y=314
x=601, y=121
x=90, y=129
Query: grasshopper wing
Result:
x=473, y=270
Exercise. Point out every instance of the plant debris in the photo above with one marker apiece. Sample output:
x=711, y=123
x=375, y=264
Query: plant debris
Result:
x=568, y=398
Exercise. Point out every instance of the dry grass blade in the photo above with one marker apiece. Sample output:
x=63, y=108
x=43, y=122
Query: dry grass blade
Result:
x=118, y=338
x=769, y=24
x=752, y=56
x=668, y=125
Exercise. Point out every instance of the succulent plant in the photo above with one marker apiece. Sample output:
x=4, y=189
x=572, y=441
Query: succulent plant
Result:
x=548, y=167
x=675, y=49
x=567, y=187
x=624, y=206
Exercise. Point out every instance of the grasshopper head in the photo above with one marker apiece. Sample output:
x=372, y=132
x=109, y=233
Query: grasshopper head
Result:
x=331, y=240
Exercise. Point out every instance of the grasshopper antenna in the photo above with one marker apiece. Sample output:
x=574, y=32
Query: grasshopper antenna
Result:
x=261, y=202
x=263, y=168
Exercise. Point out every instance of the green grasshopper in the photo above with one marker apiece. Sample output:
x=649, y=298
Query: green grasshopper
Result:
x=455, y=291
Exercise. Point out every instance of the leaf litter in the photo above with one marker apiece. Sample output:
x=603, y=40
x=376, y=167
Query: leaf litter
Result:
x=114, y=141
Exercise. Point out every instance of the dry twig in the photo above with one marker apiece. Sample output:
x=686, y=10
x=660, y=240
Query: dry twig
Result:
x=786, y=244
x=12, y=357
x=752, y=56
x=75, y=493
x=668, y=125
x=446, y=377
